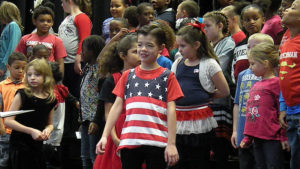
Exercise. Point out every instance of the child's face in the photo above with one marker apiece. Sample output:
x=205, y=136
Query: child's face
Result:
x=291, y=16
x=253, y=21
x=16, y=69
x=285, y=4
x=147, y=16
x=179, y=13
x=34, y=79
x=257, y=67
x=186, y=50
x=147, y=49
x=114, y=28
x=117, y=8
x=43, y=23
x=132, y=57
x=42, y=53
x=159, y=4
x=212, y=30
x=86, y=55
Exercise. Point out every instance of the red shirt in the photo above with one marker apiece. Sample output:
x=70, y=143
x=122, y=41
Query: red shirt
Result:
x=52, y=42
x=262, y=111
x=290, y=71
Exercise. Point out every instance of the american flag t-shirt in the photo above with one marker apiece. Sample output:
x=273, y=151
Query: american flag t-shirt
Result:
x=146, y=111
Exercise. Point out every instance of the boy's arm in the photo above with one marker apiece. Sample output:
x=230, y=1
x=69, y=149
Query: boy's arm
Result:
x=282, y=111
x=235, y=119
x=171, y=153
x=113, y=115
x=2, y=129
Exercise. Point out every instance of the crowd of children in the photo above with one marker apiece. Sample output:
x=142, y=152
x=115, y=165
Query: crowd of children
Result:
x=159, y=89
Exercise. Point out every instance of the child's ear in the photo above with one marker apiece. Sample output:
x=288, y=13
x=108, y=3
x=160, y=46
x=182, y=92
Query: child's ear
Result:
x=167, y=2
x=220, y=26
x=197, y=44
x=34, y=21
x=264, y=20
x=122, y=56
x=7, y=66
x=184, y=13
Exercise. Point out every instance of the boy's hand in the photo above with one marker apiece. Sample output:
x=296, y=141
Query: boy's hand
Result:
x=285, y=146
x=171, y=154
x=36, y=135
x=100, y=147
x=233, y=139
x=282, y=121
x=93, y=128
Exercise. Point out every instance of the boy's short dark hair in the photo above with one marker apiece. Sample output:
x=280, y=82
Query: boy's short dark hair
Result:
x=123, y=21
x=57, y=74
x=42, y=10
x=130, y=14
x=191, y=8
x=142, y=6
x=16, y=56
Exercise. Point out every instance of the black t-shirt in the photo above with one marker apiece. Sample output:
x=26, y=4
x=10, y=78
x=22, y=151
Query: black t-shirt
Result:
x=108, y=86
x=37, y=119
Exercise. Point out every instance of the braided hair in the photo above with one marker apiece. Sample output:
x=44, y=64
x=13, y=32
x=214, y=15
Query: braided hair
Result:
x=219, y=17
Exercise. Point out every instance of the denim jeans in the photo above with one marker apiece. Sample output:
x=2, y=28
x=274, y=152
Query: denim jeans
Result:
x=293, y=134
x=4, y=150
x=88, y=146
x=267, y=154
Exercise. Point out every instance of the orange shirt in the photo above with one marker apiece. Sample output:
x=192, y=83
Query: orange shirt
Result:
x=8, y=90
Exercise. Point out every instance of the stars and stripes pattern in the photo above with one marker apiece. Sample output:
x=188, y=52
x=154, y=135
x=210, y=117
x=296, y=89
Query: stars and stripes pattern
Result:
x=146, y=111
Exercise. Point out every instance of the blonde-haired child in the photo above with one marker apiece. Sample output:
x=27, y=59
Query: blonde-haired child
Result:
x=262, y=109
x=11, y=34
x=31, y=129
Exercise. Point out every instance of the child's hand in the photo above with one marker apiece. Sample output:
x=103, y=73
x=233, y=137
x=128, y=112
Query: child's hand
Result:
x=36, y=135
x=46, y=133
x=171, y=155
x=121, y=34
x=116, y=141
x=283, y=124
x=93, y=128
x=77, y=104
x=100, y=147
x=285, y=146
x=233, y=139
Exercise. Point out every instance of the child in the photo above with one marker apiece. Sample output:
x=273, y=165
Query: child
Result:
x=117, y=8
x=163, y=12
x=147, y=135
x=195, y=121
x=216, y=29
x=262, y=110
x=116, y=25
x=272, y=26
x=40, y=51
x=31, y=129
x=89, y=98
x=232, y=12
x=252, y=18
x=11, y=34
x=246, y=80
x=186, y=9
x=285, y=4
x=73, y=30
x=43, y=20
x=123, y=56
x=130, y=14
x=145, y=13
x=289, y=81
x=8, y=87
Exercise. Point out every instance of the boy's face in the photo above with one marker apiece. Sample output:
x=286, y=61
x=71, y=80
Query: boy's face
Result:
x=285, y=4
x=42, y=53
x=147, y=16
x=179, y=13
x=291, y=16
x=43, y=23
x=147, y=49
x=16, y=70
x=159, y=4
